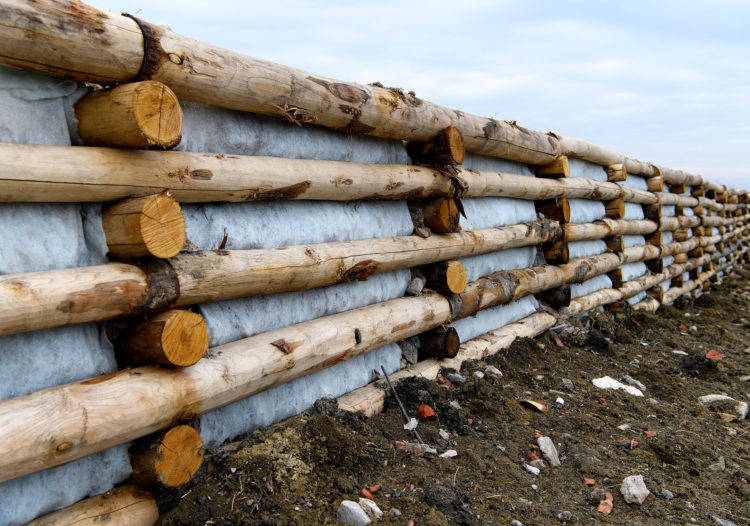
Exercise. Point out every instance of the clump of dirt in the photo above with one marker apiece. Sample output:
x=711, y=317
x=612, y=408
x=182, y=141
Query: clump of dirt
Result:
x=695, y=458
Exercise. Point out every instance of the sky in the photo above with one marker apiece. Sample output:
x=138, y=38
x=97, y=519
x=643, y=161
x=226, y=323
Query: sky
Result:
x=660, y=81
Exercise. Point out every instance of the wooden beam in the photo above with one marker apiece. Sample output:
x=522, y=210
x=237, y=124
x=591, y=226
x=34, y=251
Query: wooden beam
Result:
x=615, y=243
x=559, y=168
x=123, y=506
x=655, y=184
x=615, y=209
x=441, y=215
x=64, y=297
x=556, y=252
x=616, y=173
x=176, y=337
x=169, y=458
x=446, y=148
x=447, y=277
x=137, y=115
x=441, y=342
x=144, y=226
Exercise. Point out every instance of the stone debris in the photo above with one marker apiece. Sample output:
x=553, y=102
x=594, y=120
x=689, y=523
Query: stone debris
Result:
x=607, y=382
x=549, y=451
x=414, y=449
x=680, y=353
x=350, y=512
x=455, y=405
x=607, y=504
x=719, y=465
x=494, y=371
x=723, y=402
x=559, y=401
x=416, y=286
x=456, y=378
x=444, y=434
x=720, y=522
x=568, y=383
x=479, y=374
x=634, y=489
x=632, y=381
x=412, y=425
x=426, y=412
x=531, y=469
x=449, y=454
x=536, y=405
x=395, y=512
x=516, y=523
x=667, y=494
x=370, y=508
x=565, y=516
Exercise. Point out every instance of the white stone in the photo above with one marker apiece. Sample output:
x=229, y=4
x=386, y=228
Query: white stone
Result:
x=549, y=451
x=449, y=454
x=444, y=434
x=531, y=469
x=370, y=508
x=680, y=353
x=632, y=381
x=634, y=490
x=351, y=513
x=560, y=400
x=607, y=382
x=479, y=374
x=411, y=425
x=491, y=369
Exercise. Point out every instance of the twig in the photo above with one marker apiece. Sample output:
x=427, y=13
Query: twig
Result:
x=403, y=411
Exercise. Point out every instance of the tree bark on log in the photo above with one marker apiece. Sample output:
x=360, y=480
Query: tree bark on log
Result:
x=136, y=115
x=42, y=300
x=606, y=227
x=168, y=459
x=176, y=337
x=58, y=425
x=144, y=226
x=124, y=506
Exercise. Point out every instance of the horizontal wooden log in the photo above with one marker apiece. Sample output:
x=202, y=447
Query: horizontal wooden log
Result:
x=710, y=204
x=672, y=176
x=606, y=227
x=558, y=168
x=136, y=115
x=61, y=424
x=649, y=304
x=64, y=297
x=370, y=399
x=175, y=337
x=671, y=224
x=446, y=148
x=31, y=173
x=123, y=506
x=169, y=458
x=667, y=199
x=144, y=226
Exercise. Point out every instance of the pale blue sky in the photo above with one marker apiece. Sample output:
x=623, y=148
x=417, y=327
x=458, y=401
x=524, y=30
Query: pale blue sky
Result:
x=664, y=82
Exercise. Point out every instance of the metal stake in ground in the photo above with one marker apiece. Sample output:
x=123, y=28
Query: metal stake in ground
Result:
x=403, y=411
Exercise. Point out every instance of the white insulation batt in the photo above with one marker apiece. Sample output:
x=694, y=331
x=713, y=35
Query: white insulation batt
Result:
x=494, y=318
x=590, y=285
x=485, y=264
x=39, y=237
x=584, y=249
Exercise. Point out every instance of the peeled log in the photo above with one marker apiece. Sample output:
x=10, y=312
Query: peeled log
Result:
x=169, y=459
x=560, y=167
x=42, y=300
x=606, y=227
x=61, y=424
x=124, y=506
x=616, y=173
x=33, y=173
x=137, y=115
x=655, y=184
x=175, y=337
x=441, y=342
x=554, y=209
x=441, y=215
x=144, y=226
x=447, y=147
x=448, y=277
x=615, y=209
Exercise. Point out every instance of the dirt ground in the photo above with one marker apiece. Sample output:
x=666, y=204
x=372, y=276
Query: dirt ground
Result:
x=697, y=466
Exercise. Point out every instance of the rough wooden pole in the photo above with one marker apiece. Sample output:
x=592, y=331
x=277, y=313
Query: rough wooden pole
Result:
x=175, y=337
x=169, y=458
x=144, y=226
x=124, y=506
x=137, y=115
x=61, y=424
x=63, y=297
x=446, y=148
x=448, y=277
x=441, y=342
x=441, y=215
x=558, y=168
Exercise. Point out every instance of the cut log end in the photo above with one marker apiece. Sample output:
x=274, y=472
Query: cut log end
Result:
x=442, y=342
x=559, y=168
x=176, y=337
x=616, y=173
x=448, y=277
x=144, y=226
x=137, y=115
x=655, y=184
x=441, y=215
x=554, y=209
x=556, y=253
x=168, y=459
x=446, y=148
x=615, y=208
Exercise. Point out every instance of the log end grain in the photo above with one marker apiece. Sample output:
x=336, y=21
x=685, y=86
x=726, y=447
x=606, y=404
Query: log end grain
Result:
x=558, y=168
x=448, y=277
x=144, y=226
x=615, y=208
x=441, y=215
x=441, y=342
x=169, y=459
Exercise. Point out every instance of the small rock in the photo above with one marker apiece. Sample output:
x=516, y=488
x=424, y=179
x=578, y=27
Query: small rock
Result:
x=607, y=382
x=680, y=353
x=455, y=405
x=414, y=449
x=623, y=427
x=714, y=355
x=531, y=469
x=444, y=434
x=516, y=523
x=549, y=451
x=634, y=490
x=607, y=504
x=559, y=401
x=596, y=496
x=720, y=402
x=539, y=464
x=350, y=512
x=565, y=516
x=413, y=423
x=589, y=482
x=479, y=374
x=536, y=405
x=568, y=383
x=720, y=522
x=456, y=378
x=534, y=487
x=415, y=286
x=370, y=508
x=719, y=465
x=632, y=381
x=667, y=494
x=396, y=512
x=365, y=493
x=449, y=454
x=491, y=369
